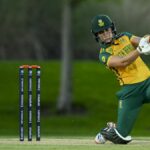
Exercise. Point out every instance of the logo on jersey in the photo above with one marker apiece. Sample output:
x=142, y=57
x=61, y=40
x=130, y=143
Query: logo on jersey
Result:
x=101, y=23
x=104, y=59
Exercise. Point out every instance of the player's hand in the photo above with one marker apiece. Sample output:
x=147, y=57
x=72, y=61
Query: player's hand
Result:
x=144, y=45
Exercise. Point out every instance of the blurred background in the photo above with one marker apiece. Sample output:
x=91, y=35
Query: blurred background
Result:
x=77, y=92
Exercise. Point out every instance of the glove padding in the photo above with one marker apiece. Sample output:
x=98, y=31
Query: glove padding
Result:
x=144, y=46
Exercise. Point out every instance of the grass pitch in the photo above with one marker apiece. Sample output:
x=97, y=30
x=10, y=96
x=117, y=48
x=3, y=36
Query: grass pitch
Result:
x=71, y=143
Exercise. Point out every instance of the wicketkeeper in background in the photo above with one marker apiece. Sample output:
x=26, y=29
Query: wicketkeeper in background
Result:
x=121, y=54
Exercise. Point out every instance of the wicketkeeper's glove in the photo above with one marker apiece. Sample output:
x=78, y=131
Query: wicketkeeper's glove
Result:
x=144, y=45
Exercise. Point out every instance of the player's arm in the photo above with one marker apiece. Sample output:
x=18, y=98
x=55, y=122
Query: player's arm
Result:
x=135, y=40
x=118, y=61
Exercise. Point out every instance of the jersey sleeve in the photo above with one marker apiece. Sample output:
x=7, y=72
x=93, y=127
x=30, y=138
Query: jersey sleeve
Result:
x=129, y=35
x=104, y=57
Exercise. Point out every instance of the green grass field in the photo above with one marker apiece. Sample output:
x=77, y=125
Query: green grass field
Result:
x=88, y=93
x=71, y=143
x=91, y=85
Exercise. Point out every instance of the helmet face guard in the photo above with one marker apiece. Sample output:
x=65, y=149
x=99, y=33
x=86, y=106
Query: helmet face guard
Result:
x=101, y=23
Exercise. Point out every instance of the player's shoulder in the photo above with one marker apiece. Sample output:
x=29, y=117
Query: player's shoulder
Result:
x=103, y=48
x=128, y=34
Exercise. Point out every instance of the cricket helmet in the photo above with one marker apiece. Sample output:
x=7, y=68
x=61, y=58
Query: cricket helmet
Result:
x=101, y=23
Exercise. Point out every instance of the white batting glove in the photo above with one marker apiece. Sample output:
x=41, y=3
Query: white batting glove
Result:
x=144, y=46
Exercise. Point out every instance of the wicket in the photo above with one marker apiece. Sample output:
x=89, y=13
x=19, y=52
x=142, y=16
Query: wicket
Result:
x=21, y=101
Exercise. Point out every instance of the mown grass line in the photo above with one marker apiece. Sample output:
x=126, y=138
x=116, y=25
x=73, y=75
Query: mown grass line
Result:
x=71, y=143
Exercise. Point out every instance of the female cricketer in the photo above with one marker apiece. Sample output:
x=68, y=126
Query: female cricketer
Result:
x=121, y=54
